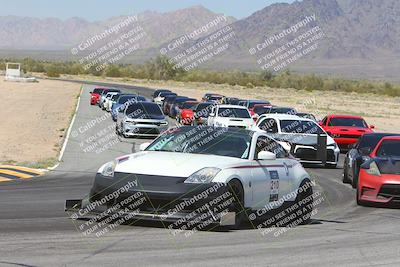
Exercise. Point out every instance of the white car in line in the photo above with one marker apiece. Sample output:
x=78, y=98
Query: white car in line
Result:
x=110, y=100
x=230, y=116
x=300, y=137
x=186, y=172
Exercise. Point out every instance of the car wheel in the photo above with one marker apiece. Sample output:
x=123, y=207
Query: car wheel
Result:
x=345, y=175
x=304, y=201
x=236, y=189
x=355, y=177
x=359, y=202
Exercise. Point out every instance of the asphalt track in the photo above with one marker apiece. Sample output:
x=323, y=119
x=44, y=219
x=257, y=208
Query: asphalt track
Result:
x=35, y=231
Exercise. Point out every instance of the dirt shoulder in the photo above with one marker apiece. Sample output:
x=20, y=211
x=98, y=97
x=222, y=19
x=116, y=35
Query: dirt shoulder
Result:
x=381, y=111
x=34, y=119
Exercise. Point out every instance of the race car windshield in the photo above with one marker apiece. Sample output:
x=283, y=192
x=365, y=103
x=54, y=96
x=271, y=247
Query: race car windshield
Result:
x=389, y=148
x=163, y=94
x=214, y=98
x=143, y=110
x=283, y=111
x=252, y=103
x=261, y=110
x=350, y=122
x=114, y=97
x=188, y=105
x=300, y=127
x=98, y=91
x=233, y=112
x=204, y=140
x=124, y=99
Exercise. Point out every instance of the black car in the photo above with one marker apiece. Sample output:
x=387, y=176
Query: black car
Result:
x=358, y=154
x=201, y=112
x=282, y=110
x=173, y=109
x=157, y=92
x=168, y=100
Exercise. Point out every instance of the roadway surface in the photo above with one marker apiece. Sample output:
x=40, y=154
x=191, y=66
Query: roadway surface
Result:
x=35, y=230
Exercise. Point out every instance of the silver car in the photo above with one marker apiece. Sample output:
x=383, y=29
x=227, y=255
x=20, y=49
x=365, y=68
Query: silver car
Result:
x=144, y=119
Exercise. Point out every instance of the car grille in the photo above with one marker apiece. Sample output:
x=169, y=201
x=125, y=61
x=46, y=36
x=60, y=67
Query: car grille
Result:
x=390, y=190
x=311, y=154
x=147, y=131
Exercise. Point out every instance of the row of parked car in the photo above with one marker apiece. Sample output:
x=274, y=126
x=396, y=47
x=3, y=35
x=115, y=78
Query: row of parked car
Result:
x=299, y=133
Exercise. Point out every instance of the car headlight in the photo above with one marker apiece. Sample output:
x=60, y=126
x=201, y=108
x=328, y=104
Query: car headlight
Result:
x=203, y=176
x=108, y=169
x=373, y=169
x=334, y=146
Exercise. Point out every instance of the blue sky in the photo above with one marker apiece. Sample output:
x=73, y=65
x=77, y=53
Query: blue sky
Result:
x=101, y=9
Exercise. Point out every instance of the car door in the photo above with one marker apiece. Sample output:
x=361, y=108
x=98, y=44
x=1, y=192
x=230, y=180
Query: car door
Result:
x=271, y=178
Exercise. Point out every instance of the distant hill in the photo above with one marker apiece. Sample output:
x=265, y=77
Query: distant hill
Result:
x=361, y=39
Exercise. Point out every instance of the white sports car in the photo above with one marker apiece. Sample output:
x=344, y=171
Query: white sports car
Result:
x=230, y=116
x=192, y=173
x=300, y=137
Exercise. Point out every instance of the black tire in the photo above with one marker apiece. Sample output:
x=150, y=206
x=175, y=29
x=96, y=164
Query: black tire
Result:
x=358, y=201
x=236, y=189
x=304, y=201
x=354, y=183
x=345, y=175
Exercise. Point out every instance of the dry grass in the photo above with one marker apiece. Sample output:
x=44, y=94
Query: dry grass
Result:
x=34, y=119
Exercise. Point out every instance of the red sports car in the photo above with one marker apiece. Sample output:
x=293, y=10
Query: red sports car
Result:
x=379, y=178
x=345, y=129
x=95, y=95
x=186, y=112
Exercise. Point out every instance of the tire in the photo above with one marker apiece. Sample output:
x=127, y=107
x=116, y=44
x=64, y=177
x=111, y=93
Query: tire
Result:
x=354, y=183
x=236, y=189
x=305, y=206
x=345, y=176
x=358, y=201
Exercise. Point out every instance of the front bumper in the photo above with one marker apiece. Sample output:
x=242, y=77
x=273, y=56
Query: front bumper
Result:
x=345, y=143
x=309, y=154
x=141, y=129
x=170, y=200
x=374, y=189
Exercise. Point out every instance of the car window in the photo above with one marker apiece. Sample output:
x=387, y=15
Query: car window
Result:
x=351, y=122
x=233, y=112
x=267, y=144
x=389, y=148
x=269, y=125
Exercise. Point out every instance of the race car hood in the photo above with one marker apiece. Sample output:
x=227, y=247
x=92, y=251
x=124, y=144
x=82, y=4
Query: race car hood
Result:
x=302, y=139
x=171, y=164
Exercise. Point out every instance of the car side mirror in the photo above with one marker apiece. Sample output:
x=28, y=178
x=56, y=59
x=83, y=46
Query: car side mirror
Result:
x=143, y=146
x=266, y=155
x=211, y=115
x=365, y=165
x=90, y=92
x=372, y=126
